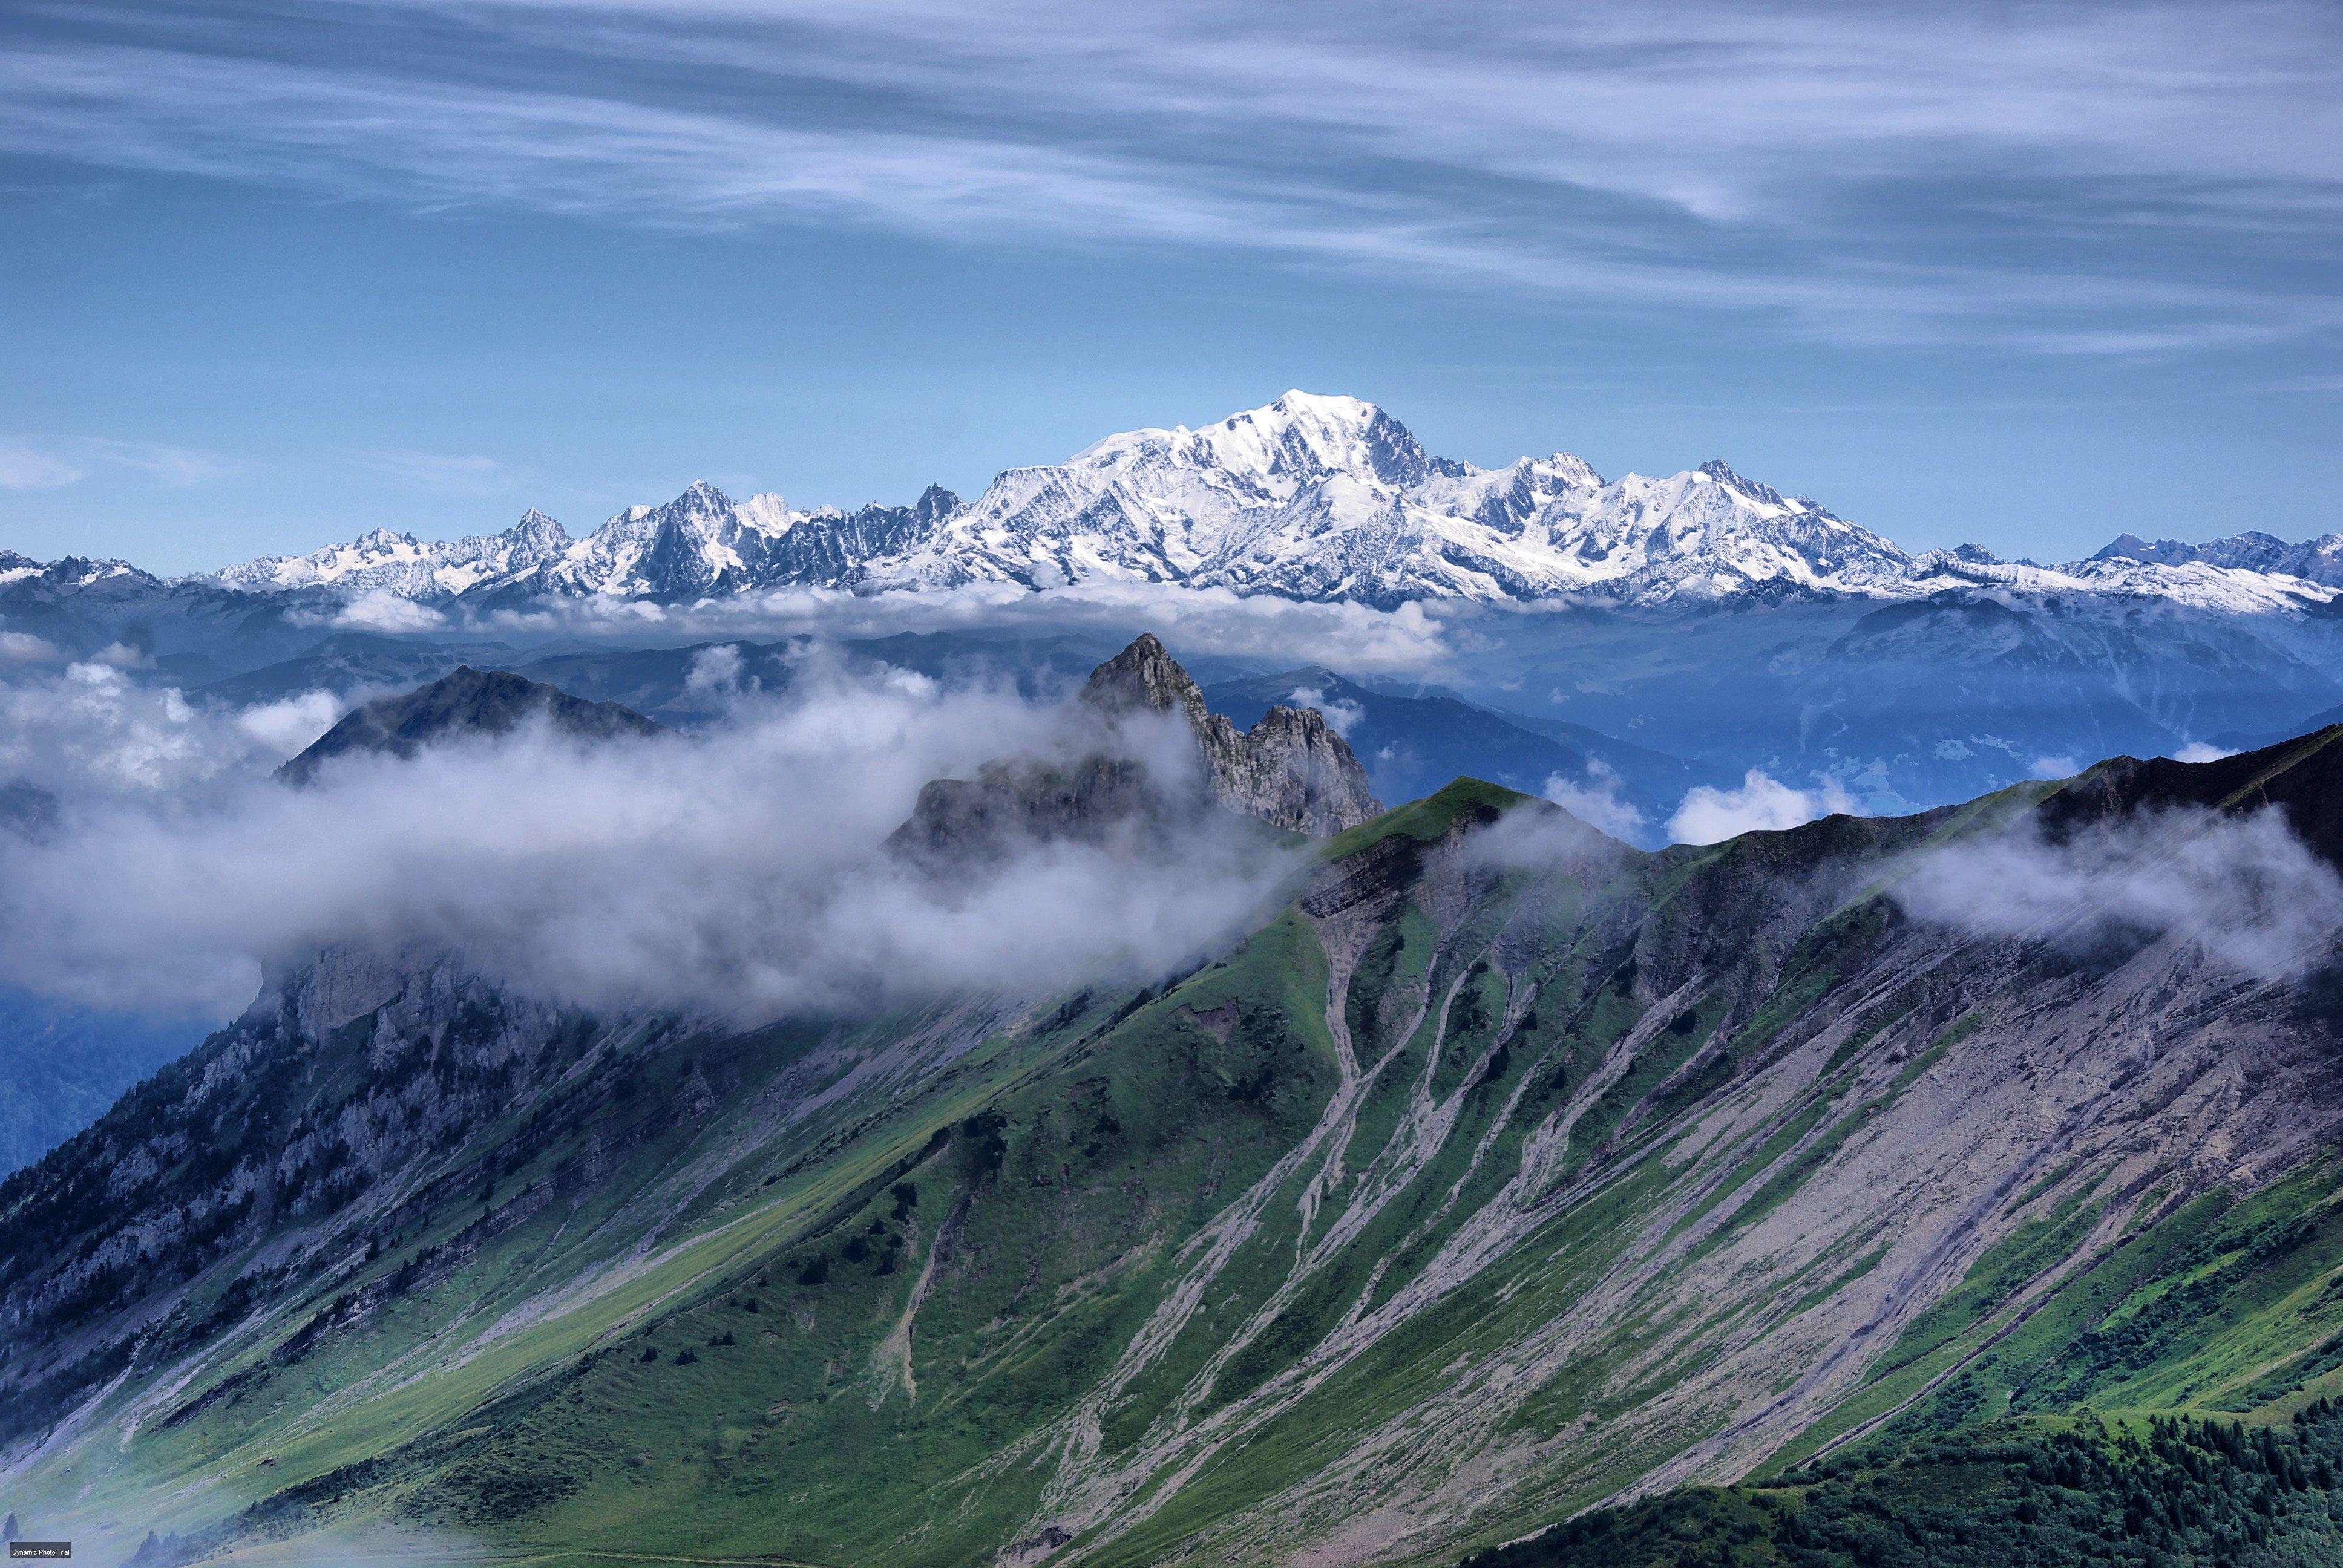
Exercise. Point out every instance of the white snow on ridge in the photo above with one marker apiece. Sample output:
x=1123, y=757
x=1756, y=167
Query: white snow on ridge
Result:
x=1309, y=497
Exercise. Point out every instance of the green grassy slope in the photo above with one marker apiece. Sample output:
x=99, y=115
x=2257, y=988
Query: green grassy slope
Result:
x=1504, y=1173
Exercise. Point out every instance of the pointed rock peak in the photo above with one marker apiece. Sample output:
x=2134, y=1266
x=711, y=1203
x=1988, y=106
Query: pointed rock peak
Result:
x=536, y=526
x=2123, y=547
x=699, y=496
x=1144, y=675
x=383, y=539
x=935, y=503
x=1292, y=770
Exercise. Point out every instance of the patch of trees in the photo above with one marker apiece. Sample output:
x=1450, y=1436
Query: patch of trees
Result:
x=2182, y=1491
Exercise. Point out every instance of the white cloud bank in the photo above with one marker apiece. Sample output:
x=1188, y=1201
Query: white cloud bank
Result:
x=740, y=874
x=1595, y=800
x=1762, y=804
x=2243, y=888
x=1412, y=638
x=1341, y=717
x=91, y=733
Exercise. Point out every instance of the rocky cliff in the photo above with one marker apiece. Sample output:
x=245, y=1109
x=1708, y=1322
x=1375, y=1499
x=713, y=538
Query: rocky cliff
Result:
x=1291, y=770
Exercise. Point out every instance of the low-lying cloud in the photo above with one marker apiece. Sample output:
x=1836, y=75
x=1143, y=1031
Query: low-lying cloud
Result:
x=740, y=874
x=1536, y=838
x=1342, y=717
x=2245, y=890
x=1595, y=799
x=90, y=732
x=1413, y=639
x=1762, y=804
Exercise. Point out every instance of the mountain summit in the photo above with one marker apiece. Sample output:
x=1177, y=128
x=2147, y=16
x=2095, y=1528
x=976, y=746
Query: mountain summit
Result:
x=463, y=702
x=1309, y=497
x=1291, y=770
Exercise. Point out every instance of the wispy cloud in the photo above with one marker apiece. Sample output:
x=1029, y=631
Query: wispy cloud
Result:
x=51, y=462
x=449, y=473
x=31, y=465
x=1882, y=172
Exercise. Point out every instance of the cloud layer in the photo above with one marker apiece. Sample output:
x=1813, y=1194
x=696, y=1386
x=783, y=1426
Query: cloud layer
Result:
x=739, y=874
x=1898, y=171
x=1413, y=639
x=2245, y=890
x=1762, y=804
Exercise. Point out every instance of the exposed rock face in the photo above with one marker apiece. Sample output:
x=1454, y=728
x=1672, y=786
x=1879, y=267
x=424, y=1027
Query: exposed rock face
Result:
x=466, y=702
x=1145, y=676
x=1290, y=770
x=970, y=821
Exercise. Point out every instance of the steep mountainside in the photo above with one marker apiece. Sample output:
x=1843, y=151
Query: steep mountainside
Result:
x=1507, y=1170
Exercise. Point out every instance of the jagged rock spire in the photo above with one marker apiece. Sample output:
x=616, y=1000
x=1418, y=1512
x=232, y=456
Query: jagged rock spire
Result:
x=1145, y=675
x=1291, y=770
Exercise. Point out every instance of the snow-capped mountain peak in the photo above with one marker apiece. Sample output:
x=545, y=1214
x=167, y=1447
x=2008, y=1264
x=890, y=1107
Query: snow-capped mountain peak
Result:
x=702, y=543
x=1300, y=438
x=1309, y=497
x=2318, y=560
x=382, y=560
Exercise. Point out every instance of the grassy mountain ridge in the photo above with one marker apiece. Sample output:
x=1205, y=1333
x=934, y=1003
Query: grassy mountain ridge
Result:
x=1508, y=1171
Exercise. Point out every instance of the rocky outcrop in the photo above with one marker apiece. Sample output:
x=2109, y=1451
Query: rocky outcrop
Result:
x=1291, y=770
x=465, y=702
x=968, y=821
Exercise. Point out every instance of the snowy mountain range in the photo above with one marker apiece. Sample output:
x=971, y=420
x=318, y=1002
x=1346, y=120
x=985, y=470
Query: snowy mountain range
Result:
x=1310, y=497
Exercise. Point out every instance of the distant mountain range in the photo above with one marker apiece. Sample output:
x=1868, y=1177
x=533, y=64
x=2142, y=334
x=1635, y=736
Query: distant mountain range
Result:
x=1310, y=497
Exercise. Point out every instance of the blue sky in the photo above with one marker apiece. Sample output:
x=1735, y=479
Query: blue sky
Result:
x=2026, y=274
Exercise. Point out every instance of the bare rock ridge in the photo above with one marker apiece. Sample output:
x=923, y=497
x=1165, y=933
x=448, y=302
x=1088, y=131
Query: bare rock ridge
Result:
x=466, y=701
x=1291, y=770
